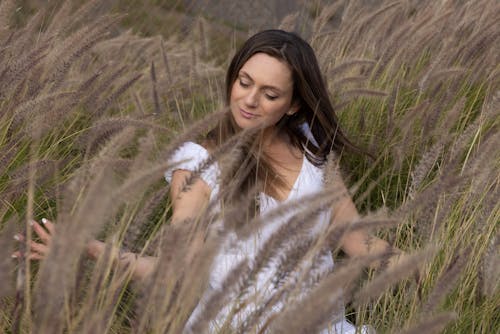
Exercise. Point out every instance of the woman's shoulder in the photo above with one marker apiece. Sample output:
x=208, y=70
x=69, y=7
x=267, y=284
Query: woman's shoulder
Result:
x=192, y=156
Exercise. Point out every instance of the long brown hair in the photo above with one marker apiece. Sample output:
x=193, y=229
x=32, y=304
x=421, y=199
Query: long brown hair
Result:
x=309, y=92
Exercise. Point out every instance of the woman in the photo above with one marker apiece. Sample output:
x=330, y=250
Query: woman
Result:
x=274, y=87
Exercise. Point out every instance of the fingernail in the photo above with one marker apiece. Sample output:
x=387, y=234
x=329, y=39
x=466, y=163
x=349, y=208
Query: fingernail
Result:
x=32, y=222
x=14, y=256
x=44, y=221
x=16, y=237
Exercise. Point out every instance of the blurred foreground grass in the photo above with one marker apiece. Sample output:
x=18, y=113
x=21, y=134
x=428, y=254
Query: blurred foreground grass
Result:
x=88, y=110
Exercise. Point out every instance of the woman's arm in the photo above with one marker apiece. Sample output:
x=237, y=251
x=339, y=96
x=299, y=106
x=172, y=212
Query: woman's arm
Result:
x=186, y=204
x=357, y=243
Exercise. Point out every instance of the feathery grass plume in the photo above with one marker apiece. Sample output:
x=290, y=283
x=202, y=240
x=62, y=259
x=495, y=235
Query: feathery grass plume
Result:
x=293, y=258
x=355, y=80
x=22, y=296
x=39, y=105
x=154, y=91
x=323, y=306
x=61, y=20
x=180, y=276
x=323, y=18
x=365, y=21
x=18, y=69
x=297, y=226
x=10, y=151
x=447, y=281
x=430, y=325
x=166, y=64
x=203, y=37
x=146, y=146
x=192, y=132
x=78, y=44
x=7, y=270
x=258, y=309
x=219, y=298
x=405, y=126
x=289, y=22
x=405, y=267
x=231, y=146
x=363, y=92
x=136, y=182
x=132, y=236
x=88, y=83
x=348, y=65
x=115, y=95
x=18, y=92
x=138, y=104
x=479, y=43
x=45, y=169
x=30, y=35
x=34, y=83
x=490, y=268
x=105, y=128
x=106, y=287
x=64, y=21
x=312, y=202
x=442, y=75
x=7, y=8
x=425, y=203
x=424, y=167
x=57, y=276
x=91, y=101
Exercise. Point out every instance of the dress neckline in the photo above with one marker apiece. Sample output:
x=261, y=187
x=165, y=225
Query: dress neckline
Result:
x=295, y=185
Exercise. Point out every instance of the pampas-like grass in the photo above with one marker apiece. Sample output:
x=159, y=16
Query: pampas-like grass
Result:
x=114, y=96
x=490, y=272
x=434, y=324
x=446, y=282
x=79, y=43
x=154, y=91
x=438, y=60
x=6, y=9
x=405, y=267
x=307, y=316
x=7, y=262
x=165, y=62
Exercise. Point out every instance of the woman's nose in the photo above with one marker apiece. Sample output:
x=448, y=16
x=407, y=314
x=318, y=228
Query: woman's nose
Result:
x=252, y=99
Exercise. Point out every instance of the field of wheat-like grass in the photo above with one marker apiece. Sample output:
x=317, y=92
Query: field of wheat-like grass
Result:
x=90, y=112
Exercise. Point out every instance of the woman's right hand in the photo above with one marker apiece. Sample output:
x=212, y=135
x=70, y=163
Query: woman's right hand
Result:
x=37, y=250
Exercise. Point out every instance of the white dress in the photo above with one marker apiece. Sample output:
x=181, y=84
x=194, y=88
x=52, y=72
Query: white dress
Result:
x=233, y=251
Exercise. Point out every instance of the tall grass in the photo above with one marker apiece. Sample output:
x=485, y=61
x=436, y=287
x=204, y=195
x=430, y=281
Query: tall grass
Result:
x=90, y=113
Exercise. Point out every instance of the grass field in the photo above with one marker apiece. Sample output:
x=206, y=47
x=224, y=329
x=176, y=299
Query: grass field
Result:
x=95, y=97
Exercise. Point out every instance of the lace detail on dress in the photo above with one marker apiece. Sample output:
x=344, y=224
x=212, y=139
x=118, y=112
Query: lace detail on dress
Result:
x=191, y=156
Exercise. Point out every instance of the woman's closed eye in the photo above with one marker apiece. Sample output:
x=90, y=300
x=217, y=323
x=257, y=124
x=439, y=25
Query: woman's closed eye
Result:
x=271, y=97
x=244, y=84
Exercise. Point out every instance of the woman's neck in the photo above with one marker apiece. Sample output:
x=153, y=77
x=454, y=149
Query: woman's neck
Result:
x=273, y=138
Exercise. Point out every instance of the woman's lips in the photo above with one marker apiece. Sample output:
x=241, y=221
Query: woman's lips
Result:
x=246, y=114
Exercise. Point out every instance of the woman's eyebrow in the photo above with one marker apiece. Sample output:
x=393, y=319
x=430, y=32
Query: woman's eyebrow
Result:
x=245, y=74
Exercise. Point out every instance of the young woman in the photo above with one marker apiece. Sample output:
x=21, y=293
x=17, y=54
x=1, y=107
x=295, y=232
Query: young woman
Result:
x=273, y=86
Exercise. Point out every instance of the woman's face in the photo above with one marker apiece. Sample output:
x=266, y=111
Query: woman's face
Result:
x=262, y=93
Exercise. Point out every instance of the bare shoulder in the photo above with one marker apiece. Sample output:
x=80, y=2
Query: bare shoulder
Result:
x=209, y=145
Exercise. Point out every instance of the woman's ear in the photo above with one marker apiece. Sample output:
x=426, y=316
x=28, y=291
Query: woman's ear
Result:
x=293, y=109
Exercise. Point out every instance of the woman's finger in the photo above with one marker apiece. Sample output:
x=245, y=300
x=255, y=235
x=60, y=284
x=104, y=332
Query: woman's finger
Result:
x=39, y=248
x=35, y=256
x=41, y=232
x=48, y=225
